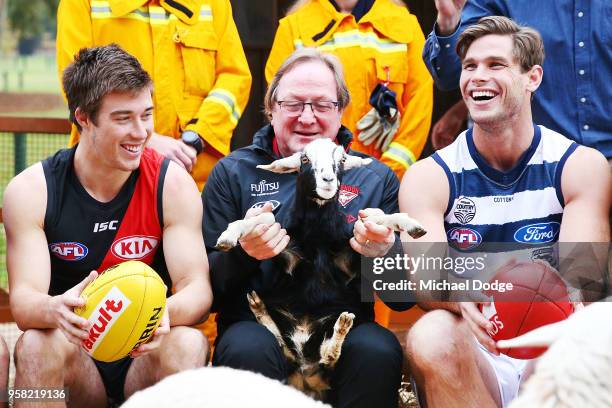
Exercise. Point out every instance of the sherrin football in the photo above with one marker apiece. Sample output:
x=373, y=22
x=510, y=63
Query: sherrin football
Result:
x=539, y=297
x=124, y=306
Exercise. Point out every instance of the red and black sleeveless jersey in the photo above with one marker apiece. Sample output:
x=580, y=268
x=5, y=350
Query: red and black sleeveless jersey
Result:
x=84, y=234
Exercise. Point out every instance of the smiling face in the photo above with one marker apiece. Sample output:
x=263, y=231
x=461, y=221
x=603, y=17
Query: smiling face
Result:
x=493, y=85
x=124, y=125
x=310, y=81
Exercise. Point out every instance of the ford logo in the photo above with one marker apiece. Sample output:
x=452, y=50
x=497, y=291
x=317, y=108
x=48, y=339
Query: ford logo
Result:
x=537, y=233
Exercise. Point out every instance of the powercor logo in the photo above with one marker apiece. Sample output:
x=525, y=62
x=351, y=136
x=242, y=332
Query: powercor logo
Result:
x=464, y=238
x=68, y=251
x=105, y=314
x=134, y=247
x=537, y=233
x=260, y=204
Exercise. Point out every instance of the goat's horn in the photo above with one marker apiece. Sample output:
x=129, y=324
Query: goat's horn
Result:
x=284, y=165
x=355, y=161
x=542, y=336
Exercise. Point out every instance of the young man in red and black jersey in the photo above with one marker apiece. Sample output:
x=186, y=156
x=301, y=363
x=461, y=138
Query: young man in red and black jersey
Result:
x=107, y=200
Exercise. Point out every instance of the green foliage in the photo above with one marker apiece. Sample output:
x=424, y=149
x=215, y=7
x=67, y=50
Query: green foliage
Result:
x=30, y=18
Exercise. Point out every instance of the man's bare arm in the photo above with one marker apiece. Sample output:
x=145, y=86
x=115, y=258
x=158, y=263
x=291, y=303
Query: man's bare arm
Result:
x=184, y=249
x=585, y=232
x=424, y=194
x=28, y=262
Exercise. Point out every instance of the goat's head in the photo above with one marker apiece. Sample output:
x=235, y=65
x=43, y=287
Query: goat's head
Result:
x=321, y=166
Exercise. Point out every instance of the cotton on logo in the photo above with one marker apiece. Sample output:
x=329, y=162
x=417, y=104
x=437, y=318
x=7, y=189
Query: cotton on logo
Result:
x=134, y=247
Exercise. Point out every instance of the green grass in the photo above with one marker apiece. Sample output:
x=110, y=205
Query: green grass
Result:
x=37, y=148
x=35, y=73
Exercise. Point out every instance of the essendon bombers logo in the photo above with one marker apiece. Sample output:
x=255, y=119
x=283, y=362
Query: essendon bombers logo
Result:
x=347, y=194
x=105, y=314
x=134, y=247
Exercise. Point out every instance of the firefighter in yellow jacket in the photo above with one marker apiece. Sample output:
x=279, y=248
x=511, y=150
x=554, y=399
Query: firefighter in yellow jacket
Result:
x=378, y=42
x=191, y=49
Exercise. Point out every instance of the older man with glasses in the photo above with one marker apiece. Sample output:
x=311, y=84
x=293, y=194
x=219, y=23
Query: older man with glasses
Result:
x=304, y=102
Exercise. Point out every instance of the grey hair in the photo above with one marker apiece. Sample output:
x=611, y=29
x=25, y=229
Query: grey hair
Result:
x=301, y=56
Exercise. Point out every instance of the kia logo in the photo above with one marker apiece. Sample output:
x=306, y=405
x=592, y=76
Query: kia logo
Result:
x=134, y=247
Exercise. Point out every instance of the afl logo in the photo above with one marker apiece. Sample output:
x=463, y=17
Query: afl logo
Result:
x=464, y=238
x=465, y=210
x=537, y=233
x=260, y=204
x=68, y=251
x=134, y=247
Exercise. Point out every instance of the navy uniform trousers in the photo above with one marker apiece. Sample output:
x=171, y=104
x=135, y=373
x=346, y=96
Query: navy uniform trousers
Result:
x=368, y=373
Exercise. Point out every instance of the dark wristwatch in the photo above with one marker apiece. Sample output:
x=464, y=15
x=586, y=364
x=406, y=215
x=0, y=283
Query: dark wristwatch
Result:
x=191, y=138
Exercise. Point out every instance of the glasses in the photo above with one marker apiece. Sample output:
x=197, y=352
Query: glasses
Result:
x=295, y=108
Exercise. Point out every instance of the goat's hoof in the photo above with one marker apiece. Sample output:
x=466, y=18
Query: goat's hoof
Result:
x=344, y=323
x=255, y=302
x=417, y=232
x=225, y=243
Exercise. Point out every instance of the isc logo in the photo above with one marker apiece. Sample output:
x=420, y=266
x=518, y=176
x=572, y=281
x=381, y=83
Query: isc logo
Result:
x=464, y=238
x=134, y=247
x=68, y=251
x=103, y=226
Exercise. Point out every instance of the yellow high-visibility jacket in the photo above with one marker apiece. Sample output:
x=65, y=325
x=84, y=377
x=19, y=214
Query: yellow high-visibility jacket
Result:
x=389, y=38
x=192, y=51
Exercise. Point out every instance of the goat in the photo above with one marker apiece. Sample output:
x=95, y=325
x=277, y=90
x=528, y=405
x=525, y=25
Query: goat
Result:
x=303, y=312
x=576, y=371
x=220, y=387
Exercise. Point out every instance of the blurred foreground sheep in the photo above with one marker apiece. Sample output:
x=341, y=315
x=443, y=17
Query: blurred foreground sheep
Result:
x=220, y=387
x=576, y=371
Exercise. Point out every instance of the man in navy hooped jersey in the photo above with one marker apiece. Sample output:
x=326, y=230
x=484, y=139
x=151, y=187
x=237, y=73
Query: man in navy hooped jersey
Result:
x=497, y=181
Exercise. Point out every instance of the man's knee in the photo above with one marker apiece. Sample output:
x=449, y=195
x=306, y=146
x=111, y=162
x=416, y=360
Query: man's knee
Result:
x=32, y=349
x=250, y=346
x=437, y=340
x=184, y=348
x=373, y=344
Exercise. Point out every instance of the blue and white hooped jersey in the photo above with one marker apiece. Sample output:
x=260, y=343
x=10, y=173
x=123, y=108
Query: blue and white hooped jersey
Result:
x=523, y=205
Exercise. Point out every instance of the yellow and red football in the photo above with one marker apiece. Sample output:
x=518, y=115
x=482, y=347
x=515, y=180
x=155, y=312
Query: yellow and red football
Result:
x=124, y=306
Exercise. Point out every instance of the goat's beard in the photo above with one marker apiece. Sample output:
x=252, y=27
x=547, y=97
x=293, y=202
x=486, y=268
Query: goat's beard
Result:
x=327, y=193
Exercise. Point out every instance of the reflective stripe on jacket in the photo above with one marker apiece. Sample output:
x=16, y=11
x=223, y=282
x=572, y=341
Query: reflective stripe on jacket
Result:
x=386, y=39
x=191, y=49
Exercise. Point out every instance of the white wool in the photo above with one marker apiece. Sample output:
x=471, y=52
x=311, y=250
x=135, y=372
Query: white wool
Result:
x=220, y=387
x=576, y=371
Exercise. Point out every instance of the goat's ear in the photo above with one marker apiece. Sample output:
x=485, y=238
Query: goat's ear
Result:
x=355, y=161
x=285, y=165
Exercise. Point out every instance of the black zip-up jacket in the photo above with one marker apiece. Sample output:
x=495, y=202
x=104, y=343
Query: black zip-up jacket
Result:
x=236, y=185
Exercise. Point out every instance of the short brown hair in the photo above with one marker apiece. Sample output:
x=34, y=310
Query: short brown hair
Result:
x=97, y=72
x=528, y=48
x=301, y=56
